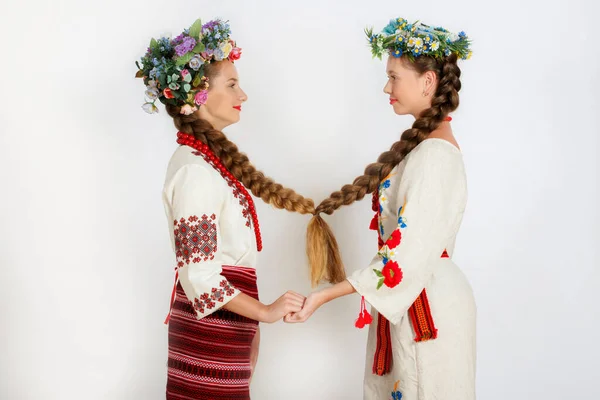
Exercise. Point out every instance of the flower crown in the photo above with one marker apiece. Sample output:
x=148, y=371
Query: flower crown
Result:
x=173, y=70
x=400, y=38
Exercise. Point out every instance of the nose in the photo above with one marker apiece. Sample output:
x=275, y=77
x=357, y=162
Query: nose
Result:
x=387, y=88
x=243, y=96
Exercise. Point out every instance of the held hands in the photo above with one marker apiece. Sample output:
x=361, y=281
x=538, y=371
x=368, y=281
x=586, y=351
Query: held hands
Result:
x=312, y=303
x=291, y=302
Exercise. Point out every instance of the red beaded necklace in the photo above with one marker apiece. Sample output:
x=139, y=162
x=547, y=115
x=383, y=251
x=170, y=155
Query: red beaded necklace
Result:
x=188, y=140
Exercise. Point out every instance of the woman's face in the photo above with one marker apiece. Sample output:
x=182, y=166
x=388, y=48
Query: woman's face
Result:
x=225, y=97
x=409, y=91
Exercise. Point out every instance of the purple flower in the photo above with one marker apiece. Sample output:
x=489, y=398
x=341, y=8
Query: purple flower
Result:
x=188, y=44
x=211, y=24
x=201, y=97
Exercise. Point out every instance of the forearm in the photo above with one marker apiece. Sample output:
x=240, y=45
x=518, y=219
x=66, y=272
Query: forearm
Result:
x=247, y=306
x=343, y=288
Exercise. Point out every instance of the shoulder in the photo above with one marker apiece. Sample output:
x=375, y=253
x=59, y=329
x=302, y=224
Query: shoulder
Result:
x=189, y=165
x=435, y=157
x=434, y=148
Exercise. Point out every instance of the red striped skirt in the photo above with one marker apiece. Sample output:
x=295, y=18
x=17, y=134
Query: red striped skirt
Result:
x=210, y=358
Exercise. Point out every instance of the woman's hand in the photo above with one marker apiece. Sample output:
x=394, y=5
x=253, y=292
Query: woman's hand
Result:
x=312, y=303
x=290, y=302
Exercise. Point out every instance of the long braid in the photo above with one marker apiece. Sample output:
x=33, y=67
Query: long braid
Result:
x=239, y=165
x=322, y=248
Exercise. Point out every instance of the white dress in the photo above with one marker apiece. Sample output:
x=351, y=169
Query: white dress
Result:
x=421, y=207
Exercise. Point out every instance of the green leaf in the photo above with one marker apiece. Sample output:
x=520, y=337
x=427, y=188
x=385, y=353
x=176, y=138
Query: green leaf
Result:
x=197, y=80
x=196, y=28
x=153, y=44
x=187, y=87
x=168, y=79
x=380, y=284
x=378, y=273
x=199, y=48
x=184, y=59
x=139, y=74
x=188, y=78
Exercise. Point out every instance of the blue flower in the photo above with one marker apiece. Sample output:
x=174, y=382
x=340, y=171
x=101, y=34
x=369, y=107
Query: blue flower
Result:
x=380, y=209
x=462, y=35
x=387, y=183
x=401, y=222
x=381, y=230
x=390, y=28
x=385, y=260
x=397, y=395
x=397, y=53
x=195, y=62
x=219, y=55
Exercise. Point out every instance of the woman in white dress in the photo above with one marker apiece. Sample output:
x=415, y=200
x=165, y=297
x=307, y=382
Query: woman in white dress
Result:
x=422, y=346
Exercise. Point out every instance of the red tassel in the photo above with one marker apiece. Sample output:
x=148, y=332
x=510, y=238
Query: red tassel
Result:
x=368, y=317
x=374, y=223
x=364, y=318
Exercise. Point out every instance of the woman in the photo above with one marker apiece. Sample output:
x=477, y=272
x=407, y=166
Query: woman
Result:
x=213, y=339
x=423, y=346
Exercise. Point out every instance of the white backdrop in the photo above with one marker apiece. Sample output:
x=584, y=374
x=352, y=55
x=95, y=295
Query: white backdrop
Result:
x=86, y=267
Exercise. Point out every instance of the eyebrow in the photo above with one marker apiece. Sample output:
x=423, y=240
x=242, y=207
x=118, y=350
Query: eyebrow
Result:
x=233, y=79
x=390, y=72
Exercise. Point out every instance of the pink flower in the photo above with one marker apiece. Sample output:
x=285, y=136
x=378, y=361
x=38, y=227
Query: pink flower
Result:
x=184, y=73
x=235, y=54
x=201, y=97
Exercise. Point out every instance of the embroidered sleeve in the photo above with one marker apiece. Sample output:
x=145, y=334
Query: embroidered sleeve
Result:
x=429, y=216
x=196, y=201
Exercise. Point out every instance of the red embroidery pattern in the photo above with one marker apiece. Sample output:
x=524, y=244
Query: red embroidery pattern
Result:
x=195, y=239
x=236, y=191
x=208, y=301
x=189, y=140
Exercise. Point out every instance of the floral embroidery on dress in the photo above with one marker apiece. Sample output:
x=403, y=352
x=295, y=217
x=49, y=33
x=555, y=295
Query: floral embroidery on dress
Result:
x=391, y=273
x=396, y=394
x=195, y=239
x=208, y=301
x=237, y=193
x=401, y=219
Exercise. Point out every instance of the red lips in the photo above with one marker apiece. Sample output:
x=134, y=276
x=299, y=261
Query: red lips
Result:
x=392, y=101
x=239, y=108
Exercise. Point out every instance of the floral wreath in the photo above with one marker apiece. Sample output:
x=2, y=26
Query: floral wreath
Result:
x=173, y=69
x=400, y=38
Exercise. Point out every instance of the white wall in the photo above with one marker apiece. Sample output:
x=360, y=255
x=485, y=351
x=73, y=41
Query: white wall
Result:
x=86, y=268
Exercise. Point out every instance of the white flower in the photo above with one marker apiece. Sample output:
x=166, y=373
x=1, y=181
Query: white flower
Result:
x=152, y=83
x=411, y=42
x=150, y=108
x=419, y=43
x=152, y=93
x=435, y=45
